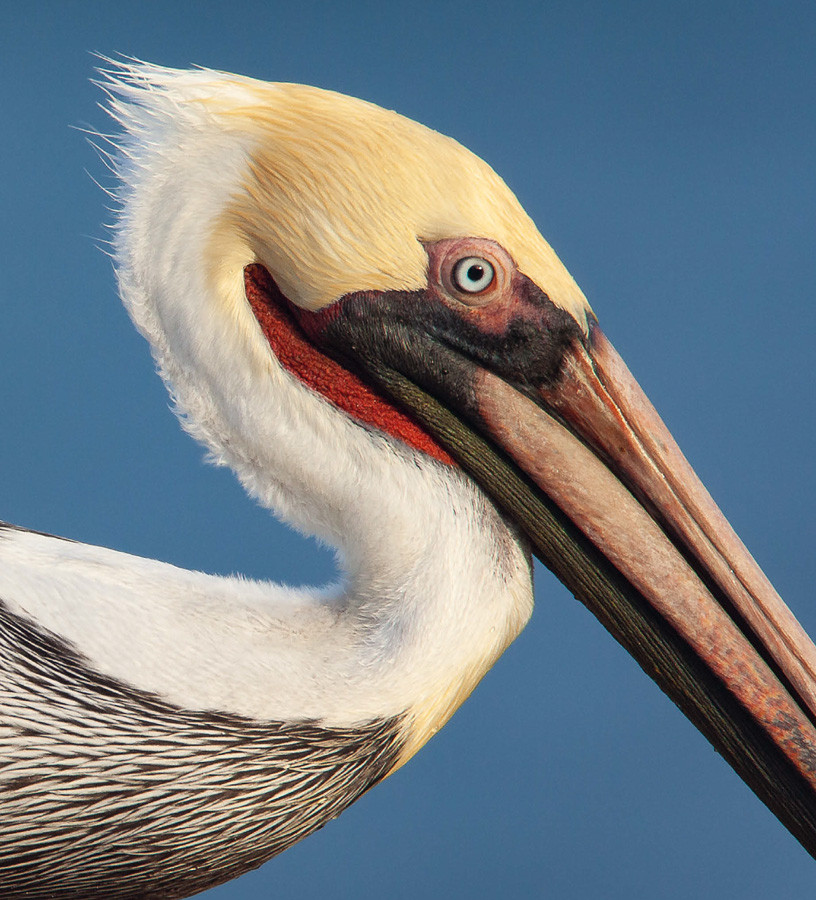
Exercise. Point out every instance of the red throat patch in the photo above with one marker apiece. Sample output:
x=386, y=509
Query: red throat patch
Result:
x=324, y=375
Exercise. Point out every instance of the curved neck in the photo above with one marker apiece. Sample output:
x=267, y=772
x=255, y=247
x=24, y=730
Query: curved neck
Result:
x=436, y=584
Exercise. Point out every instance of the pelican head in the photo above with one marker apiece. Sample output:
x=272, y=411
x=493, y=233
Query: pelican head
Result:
x=295, y=254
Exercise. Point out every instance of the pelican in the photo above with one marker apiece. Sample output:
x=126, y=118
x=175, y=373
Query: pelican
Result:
x=355, y=314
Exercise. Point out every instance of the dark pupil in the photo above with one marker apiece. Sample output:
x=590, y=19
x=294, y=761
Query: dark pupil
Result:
x=475, y=273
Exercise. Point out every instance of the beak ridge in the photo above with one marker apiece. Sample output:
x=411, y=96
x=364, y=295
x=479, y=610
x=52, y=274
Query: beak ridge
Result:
x=599, y=396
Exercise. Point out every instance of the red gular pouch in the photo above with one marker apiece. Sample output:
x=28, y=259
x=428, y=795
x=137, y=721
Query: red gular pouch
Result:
x=326, y=376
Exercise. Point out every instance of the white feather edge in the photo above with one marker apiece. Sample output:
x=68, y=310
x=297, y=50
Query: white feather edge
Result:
x=435, y=585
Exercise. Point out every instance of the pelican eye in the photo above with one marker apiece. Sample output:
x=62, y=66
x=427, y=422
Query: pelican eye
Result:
x=473, y=274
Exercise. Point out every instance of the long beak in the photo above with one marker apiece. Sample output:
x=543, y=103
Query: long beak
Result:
x=582, y=462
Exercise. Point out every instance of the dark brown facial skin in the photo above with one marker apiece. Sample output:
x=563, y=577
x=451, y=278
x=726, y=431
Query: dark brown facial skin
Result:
x=439, y=336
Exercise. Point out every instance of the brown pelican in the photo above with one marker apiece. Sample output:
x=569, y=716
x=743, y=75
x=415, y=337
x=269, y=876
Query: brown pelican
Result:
x=356, y=315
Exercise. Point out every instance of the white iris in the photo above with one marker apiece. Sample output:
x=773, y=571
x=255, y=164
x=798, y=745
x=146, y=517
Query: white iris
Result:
x=472, y=274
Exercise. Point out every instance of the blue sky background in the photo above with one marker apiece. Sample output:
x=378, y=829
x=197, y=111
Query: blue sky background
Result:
x=667, y=151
